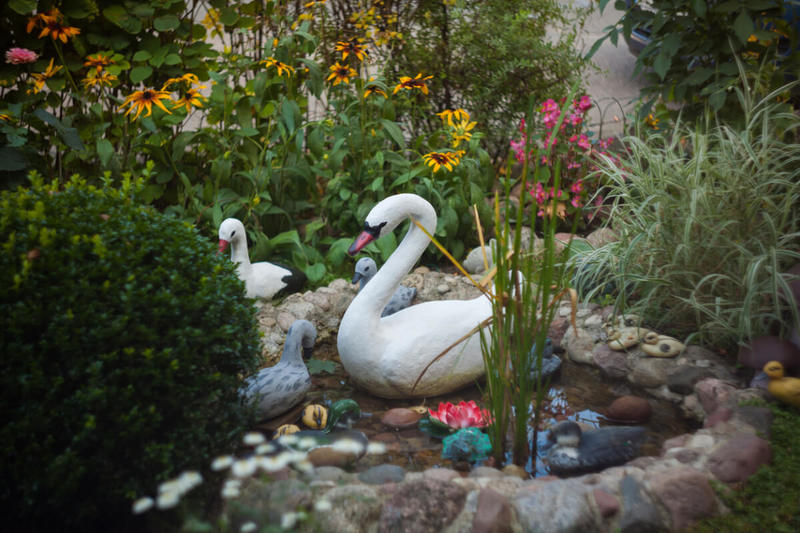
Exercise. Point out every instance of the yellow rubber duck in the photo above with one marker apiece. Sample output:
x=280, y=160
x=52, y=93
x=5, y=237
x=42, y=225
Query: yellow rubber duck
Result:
x=785, y=389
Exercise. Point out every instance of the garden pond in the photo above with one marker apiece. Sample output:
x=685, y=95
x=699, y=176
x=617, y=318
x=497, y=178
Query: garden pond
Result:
x=577, y=393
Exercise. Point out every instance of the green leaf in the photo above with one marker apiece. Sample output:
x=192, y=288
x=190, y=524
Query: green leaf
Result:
x=315, y=272
x=11, y=159
x=717, y=100
x=140, y=73
x=699, y=7
x=229, y=16
x=68, y=134
x=671, y=44
x=141, y=55
x=394, y=132
x=104, y=151
x=23, y=7
x=661, y=64
x=435, y=430
x=172, y=59
x=743, y=26
x=699, y=76
x=166, y=23
x=119, y=16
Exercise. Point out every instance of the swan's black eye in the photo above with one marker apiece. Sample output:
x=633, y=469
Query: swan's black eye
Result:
x=375, y=231
x=233, y=233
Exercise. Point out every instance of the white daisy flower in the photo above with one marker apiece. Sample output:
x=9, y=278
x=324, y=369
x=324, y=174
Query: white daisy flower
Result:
x=288, y=440
x=323, y=505
x=248, y=527
x=306, y=443
x=263, y=449
x=170, y=485
x=189, y=480
x=288, y=520
x=142, y=504
x=230, y=492
x=253, y=438
x=167, y=500
x=222, y=462
x=244, y=467
x=348, y=446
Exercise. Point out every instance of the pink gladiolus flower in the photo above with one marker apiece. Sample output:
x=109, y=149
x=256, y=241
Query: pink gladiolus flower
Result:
x=463, y=415
x=20, y=56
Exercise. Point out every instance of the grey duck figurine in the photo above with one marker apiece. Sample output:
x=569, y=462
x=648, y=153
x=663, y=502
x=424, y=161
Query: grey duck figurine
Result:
x=278, y=388
x=574, y=452
x=551, y=363
x=366, y=269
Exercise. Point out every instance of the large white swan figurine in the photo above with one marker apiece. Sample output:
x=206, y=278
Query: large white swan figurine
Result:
x=386, y=355
x=261, y=280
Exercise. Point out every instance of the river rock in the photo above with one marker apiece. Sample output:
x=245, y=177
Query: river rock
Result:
x=380, y=474
x=424, y=506
x=579, y=346
x=601, y=237
x=493, y=513
x=651, y=373
x=739, y=457
x=401, y=418
x=561, y=506
x=713, y=393
x=607, y=504
x=686, y=494
x=558, y=327
x=611, y=363
x=353, y=508
x=638, y=511
x=629, y=410
x=681, y=380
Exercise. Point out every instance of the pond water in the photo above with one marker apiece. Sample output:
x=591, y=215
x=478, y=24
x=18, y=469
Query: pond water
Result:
x=579, y=394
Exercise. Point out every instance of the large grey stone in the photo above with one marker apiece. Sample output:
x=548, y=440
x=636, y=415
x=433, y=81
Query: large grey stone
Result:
x=682, y=379
x=380, y=474
x=739, y=457
x=354, y=509
x=424, y=506
x=611, y=363
x=651, y=372
x=686, y=494
x=558, y=506
x=639, y=514
x=493, y=514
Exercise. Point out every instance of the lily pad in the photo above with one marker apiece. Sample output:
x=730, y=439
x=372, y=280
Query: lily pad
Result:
x=317, y=366
x=434, y=428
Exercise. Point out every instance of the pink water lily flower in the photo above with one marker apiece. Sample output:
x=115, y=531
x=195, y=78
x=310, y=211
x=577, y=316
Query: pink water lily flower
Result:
x=20, y=56
x=463, y=415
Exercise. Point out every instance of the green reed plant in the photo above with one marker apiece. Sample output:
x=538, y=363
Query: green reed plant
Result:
x=708, y=219
x=527, y=285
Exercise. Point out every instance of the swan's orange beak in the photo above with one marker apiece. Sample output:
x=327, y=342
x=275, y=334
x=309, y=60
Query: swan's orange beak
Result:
x=223, y=245
x=361, y=241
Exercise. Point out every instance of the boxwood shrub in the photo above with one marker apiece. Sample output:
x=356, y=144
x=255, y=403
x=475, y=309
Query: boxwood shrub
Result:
x=123, y=338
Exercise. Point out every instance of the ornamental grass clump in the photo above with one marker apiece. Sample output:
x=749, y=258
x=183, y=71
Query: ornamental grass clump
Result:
x=123, y=338
x=708, y=222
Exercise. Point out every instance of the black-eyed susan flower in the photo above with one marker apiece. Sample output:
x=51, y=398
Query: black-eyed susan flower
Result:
x=373, y=89
x=188, y=78
x=192, y=98
x=282, y=68
x=448, y=160
x=52, y=24
x=5, y=117
x=449, y=116
x=417, y=82
x=144, y=100
x=352, y=47
x=341, y=73
x=99, y=61
x=98, y=78
x=462, y=132
x=39, y=79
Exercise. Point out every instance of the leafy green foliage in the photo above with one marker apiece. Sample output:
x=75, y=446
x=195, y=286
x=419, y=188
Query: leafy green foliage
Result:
x=694, y=43
x=123, y=336
x=708, y=221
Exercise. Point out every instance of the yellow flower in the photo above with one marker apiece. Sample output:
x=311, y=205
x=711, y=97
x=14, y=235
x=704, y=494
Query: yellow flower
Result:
x=461, y=132
x=448, y=116
x=141, y=100
x=448, y=160
x=417, y=82
x=53, y=25
x=189, y=78
x=192, y=98
x=283, y=68
x=39, y=79
x=340, y=73
x=372, y=89
x=98, y=78
x=211, y=21
x=652, y=121
x=5, y=118
x=98, y=61
x=41, y=19
x=353, y=47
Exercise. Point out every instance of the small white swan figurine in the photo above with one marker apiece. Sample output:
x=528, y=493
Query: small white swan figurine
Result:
x=386, y=355
x=402, y=297
x=280, y=387
x=261, y=280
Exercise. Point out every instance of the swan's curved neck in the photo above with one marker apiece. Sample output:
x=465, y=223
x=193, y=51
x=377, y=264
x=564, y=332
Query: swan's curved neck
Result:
x=381, y=287
x=239, y=252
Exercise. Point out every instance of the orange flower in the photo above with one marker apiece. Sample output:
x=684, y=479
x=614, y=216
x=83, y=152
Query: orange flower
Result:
x=40, y=79
x=145, y=99
x=438, y=160
x=42, y=19
x=417, y=82
x=98, y=78
x=283, y=68
x=53, y=25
